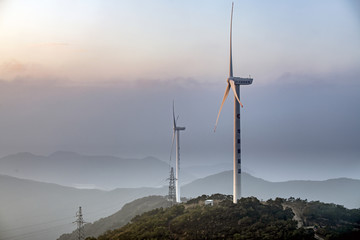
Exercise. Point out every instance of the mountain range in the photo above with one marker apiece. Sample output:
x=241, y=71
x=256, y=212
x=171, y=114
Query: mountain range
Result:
x=82, y=171
x=42, y=211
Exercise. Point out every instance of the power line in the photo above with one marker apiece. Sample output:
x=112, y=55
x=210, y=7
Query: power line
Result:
x=34, y=225
x=26, y=235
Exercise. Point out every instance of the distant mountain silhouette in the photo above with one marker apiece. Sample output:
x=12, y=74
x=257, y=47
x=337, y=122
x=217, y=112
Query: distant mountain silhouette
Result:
x=343, y=191
x=76, y=170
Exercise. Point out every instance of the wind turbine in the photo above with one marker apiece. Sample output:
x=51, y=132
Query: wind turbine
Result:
x=176, y=131
x=234, y=83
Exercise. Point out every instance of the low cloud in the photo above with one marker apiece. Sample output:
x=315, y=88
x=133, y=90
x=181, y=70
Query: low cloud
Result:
x=57, y=44
x=52, y=44
x=15, y=71
x=12, y=66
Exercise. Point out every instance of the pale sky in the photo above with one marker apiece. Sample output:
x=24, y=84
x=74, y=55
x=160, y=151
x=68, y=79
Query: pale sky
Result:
x=122, y=40
x=99, y=77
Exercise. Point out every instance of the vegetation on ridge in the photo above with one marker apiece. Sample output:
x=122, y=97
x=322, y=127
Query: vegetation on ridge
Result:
x=249, y=219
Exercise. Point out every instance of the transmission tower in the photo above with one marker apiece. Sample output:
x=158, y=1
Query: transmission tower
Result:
x=172, y=190
x=80, y=225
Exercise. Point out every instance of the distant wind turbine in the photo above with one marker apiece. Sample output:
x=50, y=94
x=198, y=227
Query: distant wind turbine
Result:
x=234, y=83
x=176, y=131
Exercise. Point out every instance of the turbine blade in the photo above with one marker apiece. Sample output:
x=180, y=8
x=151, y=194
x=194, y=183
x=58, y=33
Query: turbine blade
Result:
x=174, y=123
x=231, y=64
x=235, y=94
x=172, y=145
x=225, y=96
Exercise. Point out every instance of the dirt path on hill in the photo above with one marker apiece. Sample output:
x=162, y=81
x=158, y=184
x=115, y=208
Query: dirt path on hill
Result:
x=299, y=218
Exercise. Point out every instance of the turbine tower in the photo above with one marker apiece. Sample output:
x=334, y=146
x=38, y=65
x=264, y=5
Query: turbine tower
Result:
x=176, y=131
x=234, y=83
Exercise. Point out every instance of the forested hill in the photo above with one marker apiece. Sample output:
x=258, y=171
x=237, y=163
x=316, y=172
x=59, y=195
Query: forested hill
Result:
x=249, y=219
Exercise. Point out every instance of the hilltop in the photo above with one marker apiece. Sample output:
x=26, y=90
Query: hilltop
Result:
x=249, y=219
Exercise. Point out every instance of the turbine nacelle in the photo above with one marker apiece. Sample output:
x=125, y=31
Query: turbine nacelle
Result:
x=240, y=80
x=176, y=128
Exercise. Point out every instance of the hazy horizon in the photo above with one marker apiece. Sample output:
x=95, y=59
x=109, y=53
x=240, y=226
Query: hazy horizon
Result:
x=196, y=170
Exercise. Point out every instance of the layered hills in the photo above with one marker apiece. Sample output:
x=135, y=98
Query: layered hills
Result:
x=41, y=211
x=37, y=210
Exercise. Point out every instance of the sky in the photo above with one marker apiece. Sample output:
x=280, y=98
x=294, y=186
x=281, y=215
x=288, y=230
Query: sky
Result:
x=99, y=77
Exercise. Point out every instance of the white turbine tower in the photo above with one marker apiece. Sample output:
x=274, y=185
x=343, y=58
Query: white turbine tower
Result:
x=234, y=83
x=176, y=131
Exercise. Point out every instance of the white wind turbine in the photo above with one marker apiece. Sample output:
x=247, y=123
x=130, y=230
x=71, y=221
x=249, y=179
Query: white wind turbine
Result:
x=234, y=83
x=176, y=131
